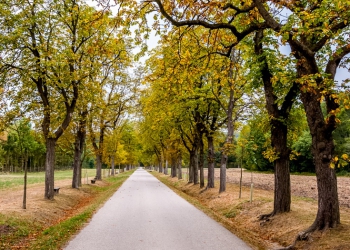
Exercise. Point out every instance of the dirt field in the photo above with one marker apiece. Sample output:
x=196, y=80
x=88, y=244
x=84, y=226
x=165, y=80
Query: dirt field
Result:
x=303, y=186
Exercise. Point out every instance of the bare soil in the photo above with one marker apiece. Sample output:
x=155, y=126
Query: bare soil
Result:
x=67, y=203
x=302, y=186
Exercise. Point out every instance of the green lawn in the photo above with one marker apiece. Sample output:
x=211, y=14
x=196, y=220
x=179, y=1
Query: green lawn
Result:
x=16, y=179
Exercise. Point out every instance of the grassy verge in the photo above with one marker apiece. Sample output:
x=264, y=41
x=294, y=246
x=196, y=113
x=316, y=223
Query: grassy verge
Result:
x=240, y=216
x=28, y=234
x=13, y=180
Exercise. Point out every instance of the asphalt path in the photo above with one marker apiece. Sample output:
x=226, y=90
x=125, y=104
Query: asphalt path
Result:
x=146, y=214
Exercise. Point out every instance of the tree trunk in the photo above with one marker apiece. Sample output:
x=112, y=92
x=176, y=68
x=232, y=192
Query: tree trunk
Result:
x=78, y=150
x=112, y=165
x=201, y=163
x=76, y=163
x=224, y=154
x=98, y=166
x=279, y=131
x=328, y=214
x=161, y=167
x=166, y=167
x=49, y=168
x=224, y=157
x=25, y=183
x=282, y=192
x=191, y=166
x=195, y=167
x=179, y=171
x=173, y=169
x=211, y=161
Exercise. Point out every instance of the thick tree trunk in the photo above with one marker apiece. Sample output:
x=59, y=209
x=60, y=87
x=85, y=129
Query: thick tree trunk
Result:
x=223, y=165
x=224, y=154
x=160, y=167
x=49, y=168
x=98, y=166
x=76, y=163
x=179, y=166
x=211, y=161
x=173, y=168
x=328, y=214
x=78, y=150
x=80, y=174
x=192, y=167
x=278, y=123
x=201, y=164
x=282, y=192
x=166, y=167
x=195, y=168
x=112, y=165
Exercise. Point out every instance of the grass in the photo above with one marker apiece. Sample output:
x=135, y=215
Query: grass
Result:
x=16, y=229
x=14, y=180
x=25, y=234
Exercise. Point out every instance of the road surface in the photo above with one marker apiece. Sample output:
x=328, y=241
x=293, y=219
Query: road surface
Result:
x=146, y=214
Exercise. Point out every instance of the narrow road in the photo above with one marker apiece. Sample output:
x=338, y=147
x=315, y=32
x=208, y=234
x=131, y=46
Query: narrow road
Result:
x=146, y=214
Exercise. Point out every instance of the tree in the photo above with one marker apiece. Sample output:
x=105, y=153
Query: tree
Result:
x=279, y=112
x=115, y=93
x=108, y=52
x=46, y=47
x=314, y=32
x=239, y=22
x=23, y=145
x=26, y=144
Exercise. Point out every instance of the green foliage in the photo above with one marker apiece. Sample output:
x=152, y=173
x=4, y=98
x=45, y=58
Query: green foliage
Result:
x=303, y=160
x=253, y=142
x=22, y=144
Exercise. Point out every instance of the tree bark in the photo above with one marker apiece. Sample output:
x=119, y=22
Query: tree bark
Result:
x=179, y=171
x=201, y=163
x=282, y=192
x=25, y=183
x=78, y=150
x=211, y=161
x=173, y=168
x=161, y=167
x=49, y=168
x=195, y=167
x=166, y=167
x=328, y=214
x=98, y=166
x=223, y=166
x=112, y=165
x=191, y=167
x=226, y=148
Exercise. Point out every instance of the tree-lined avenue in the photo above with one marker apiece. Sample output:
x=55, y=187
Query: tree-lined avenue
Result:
x=145, y=214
